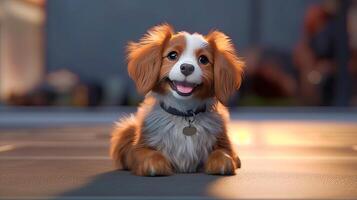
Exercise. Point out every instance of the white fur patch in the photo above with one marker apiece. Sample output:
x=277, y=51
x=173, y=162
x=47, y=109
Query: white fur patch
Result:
x=163, y=131
x=193, y=42
x=152, y=171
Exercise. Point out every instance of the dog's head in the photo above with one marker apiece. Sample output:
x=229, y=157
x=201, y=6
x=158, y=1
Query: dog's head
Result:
x=186, y=65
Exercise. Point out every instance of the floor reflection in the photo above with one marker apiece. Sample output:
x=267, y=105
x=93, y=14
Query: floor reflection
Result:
x=293, y=133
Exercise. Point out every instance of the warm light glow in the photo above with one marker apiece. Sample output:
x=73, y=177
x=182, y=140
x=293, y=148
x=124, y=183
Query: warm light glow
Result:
x=6, y=148
x=240, y=133
x=293, y=133
x=299, y=133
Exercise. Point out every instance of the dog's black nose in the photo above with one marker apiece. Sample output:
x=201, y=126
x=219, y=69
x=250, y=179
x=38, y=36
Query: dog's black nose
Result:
x=187, y=69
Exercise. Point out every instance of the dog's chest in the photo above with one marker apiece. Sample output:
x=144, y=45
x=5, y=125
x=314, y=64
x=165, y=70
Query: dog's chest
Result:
x=164, y=132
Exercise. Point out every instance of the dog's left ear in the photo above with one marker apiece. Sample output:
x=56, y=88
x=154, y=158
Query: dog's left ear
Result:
x=145, y=57
x=228, y=68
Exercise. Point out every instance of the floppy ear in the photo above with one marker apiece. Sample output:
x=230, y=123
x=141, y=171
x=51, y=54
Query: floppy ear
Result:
x=228, y=68
x=145, y=57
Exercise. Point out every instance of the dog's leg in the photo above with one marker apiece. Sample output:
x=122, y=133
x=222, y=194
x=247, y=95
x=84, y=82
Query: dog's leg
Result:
x=127, y=153
x=149, y=162
x=222, y=160
x=122, y=142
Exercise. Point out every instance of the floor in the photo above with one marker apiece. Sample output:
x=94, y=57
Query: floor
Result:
x=285, y=155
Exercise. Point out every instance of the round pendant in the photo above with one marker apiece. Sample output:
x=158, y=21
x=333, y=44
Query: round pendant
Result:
x=189, y=130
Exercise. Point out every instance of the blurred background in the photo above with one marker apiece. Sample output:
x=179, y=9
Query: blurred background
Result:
x=71, y=53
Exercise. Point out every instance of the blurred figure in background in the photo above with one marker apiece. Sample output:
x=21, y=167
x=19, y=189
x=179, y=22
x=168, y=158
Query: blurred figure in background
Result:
x=315, y=54
x=269, y=78
x=352, y=33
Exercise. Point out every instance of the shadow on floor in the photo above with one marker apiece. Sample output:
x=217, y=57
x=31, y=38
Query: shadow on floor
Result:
x=124, y=185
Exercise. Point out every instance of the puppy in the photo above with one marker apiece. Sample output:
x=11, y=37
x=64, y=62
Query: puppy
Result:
x=182, y=125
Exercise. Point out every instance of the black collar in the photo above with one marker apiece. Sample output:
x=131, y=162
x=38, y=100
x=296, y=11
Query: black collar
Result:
x=189, y=113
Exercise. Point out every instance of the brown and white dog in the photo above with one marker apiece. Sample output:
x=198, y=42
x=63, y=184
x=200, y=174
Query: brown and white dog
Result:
x=186, y=78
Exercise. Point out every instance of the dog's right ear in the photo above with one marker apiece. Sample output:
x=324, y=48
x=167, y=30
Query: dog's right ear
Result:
x=145, y=57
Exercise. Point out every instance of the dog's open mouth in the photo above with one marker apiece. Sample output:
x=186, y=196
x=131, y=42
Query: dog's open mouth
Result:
x=183, y=88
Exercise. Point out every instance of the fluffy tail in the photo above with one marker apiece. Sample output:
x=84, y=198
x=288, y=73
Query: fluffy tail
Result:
x=121, y=143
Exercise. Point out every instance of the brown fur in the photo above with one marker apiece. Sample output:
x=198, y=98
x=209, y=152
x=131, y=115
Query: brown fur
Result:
x=145, y=57
x=148, y=67
x=223, y=153
x=205, y=91
x=129, y=151
x=228, y=68
x=176, y=43
x=122, y=144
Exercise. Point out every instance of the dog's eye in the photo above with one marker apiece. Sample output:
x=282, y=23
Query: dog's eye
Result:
x=172, y=55
x=203, y=60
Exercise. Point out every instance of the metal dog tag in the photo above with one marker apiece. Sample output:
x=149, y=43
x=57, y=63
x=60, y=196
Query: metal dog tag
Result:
x=189, y=130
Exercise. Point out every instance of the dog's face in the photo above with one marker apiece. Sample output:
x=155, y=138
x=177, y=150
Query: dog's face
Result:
x=185, y=65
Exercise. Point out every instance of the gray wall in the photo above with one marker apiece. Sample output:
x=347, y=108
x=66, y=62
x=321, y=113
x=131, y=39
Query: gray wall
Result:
x=89, y=36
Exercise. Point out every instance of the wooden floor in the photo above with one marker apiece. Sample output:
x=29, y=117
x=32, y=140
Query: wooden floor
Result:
x=283, y=156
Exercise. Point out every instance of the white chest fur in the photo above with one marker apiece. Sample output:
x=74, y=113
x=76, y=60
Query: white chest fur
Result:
x=163, y=131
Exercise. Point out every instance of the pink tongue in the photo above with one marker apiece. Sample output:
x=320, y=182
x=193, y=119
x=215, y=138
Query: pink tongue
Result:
x=184, y=89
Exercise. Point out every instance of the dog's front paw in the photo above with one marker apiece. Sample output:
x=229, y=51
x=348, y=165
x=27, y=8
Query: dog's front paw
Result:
x=220, y=163
x=153, y=165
